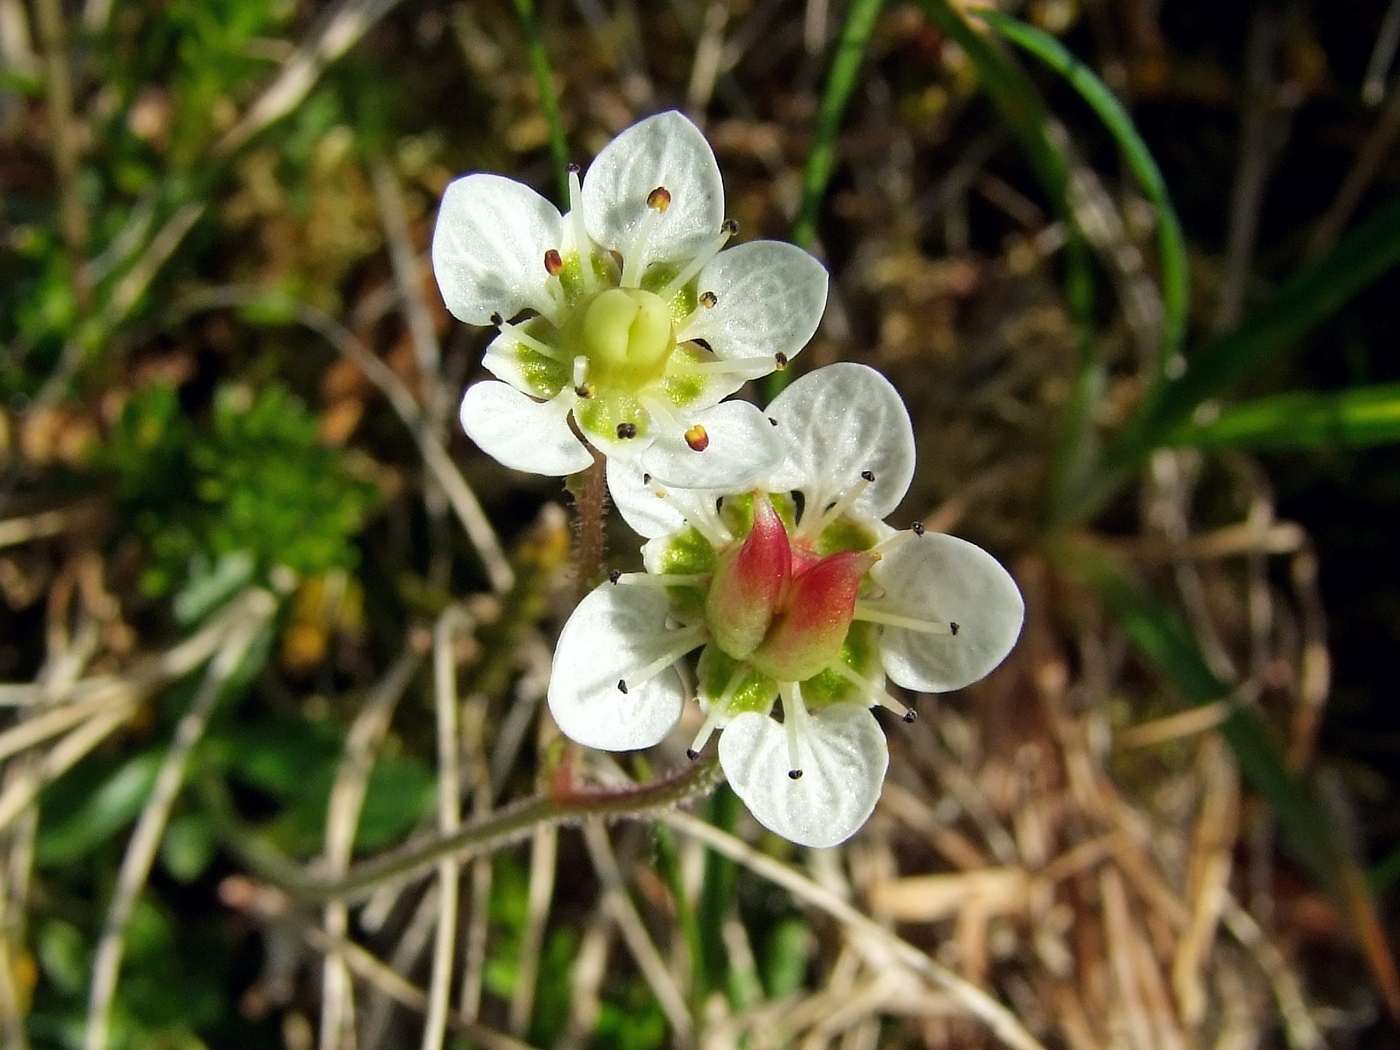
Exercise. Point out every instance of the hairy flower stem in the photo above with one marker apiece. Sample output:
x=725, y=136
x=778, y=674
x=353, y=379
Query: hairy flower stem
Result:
x=590, y=490
x=479, y=838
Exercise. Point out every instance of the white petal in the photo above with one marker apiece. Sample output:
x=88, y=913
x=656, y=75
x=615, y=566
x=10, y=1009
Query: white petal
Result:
x=844, y=758
x=489, y=245
x=742, y=449
x=945, y=579
x=837, y=422
x=664, y=150
x=504, y=360
x=770, y=297
x=649, y=515
x=524, y=434
x=615, y=632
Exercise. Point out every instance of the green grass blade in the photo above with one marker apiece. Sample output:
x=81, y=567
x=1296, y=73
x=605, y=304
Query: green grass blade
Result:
x=1264, y=338
x=1368, y=415
x=850, y=52
x=1305, y=300
x=1317, y=844
x=1021, y=108
x=549, y=102
x=821, y=161
x=1015, y=97
x=1171, y=245
x=717, y=893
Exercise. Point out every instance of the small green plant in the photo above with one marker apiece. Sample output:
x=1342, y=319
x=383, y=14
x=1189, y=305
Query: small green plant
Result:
x=253, y=483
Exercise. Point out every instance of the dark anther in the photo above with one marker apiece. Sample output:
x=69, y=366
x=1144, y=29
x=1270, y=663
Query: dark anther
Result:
x=782, y=360
x=917, y=528
x=659, y=198
x=622, y=685
x=729, y=226
x=497, y=320
x=574, y=169
x=773, y=421
x=583, y=390
x=794, y=774
x=868, y=475
x=614, y=575
x=709, y=300
x=691, y=753
x=553, y=262
x=626, y=430
x=910, y=715
x=954, y=628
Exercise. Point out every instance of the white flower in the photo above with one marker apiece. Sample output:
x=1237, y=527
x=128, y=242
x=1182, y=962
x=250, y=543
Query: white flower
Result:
x=624, y=312
x=797, y=590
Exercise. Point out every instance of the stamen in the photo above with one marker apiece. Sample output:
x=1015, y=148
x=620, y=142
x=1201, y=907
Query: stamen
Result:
x=518, y=333
x=497, y=319
x=702, y=258
x=659, y=407
x=709, y=300
x=697, y=438
x=580, y=371
x=697, y=510
x=689, y=638
x=658, y=200
x=553, y=262
x=872, y=691
x=716, y=712
x=614, y=575
x=726, y=366
x=794, y=717
x=660, y=579
x=871, y=613
x=578, y=234
x=917, y=528
x=838, y=508
x=707, y=729
x=899, y=539
x=781, y=359
x=626, y=431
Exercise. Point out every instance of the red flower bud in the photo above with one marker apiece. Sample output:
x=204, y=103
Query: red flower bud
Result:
x=750, y=583
x=807, y=634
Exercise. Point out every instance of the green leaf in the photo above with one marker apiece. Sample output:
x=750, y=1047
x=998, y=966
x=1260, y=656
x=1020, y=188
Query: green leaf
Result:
x=64, y=956
x=785, y=962
x=104, y=810
x=1355, y=418
x=188, y=846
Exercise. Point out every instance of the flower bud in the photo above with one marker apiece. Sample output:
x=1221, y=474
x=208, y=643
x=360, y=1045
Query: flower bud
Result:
x=807, y=635
x=749, y=584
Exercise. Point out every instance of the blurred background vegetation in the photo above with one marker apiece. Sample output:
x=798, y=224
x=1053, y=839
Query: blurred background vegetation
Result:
x=265, y=614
